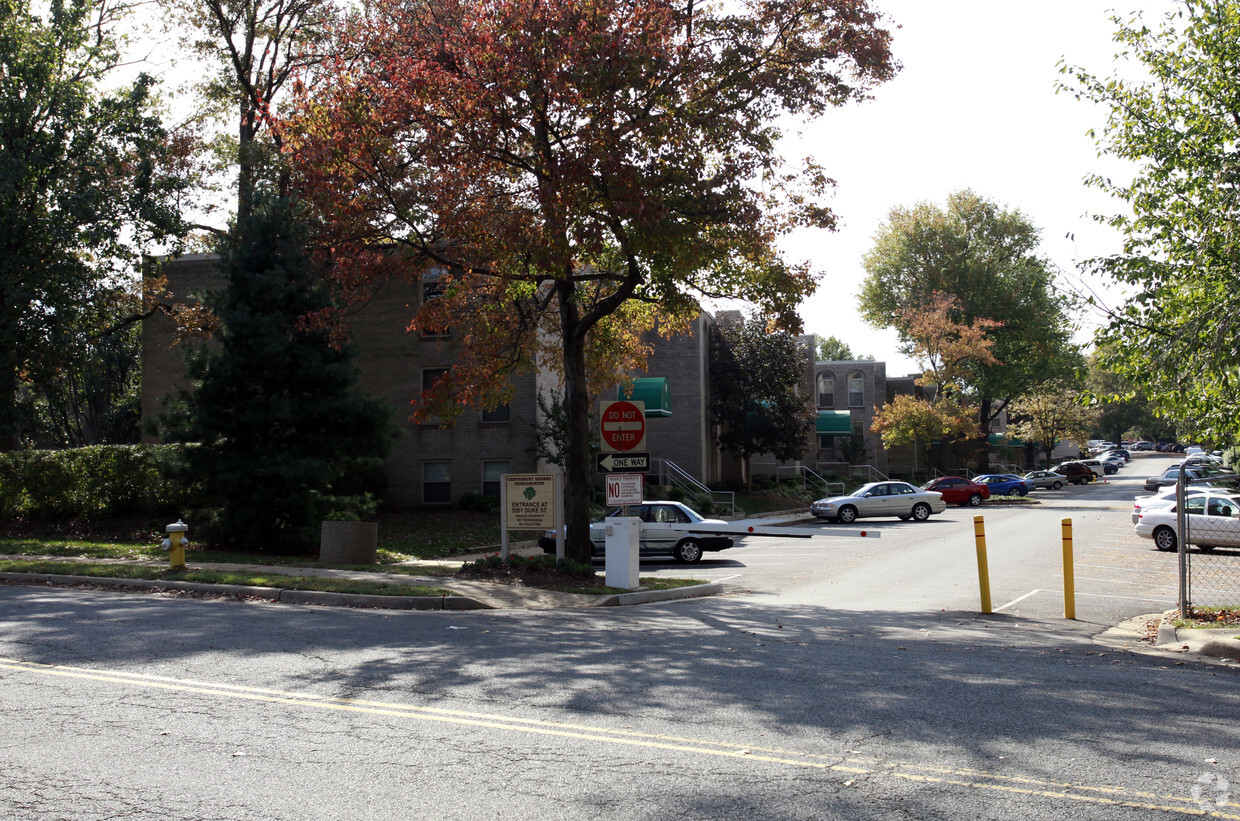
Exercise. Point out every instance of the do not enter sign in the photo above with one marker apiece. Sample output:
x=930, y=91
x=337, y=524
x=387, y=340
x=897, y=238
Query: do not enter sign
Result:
x=623, y=426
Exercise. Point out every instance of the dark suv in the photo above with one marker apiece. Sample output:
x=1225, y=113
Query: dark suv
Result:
x=1075, y=472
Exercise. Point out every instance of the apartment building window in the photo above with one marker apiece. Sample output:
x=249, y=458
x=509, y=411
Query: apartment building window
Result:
x=436, y=483
x=493, y=476
x=503, y=413
x=430, y=376
x=826, y=390
x=433, y=288
x=856, y=389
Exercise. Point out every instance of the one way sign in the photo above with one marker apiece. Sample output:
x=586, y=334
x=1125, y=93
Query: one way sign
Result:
x=622, y=462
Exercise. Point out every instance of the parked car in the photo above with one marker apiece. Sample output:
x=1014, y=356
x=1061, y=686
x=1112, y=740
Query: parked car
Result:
x=1099, y=469
x=1141, y=444
x=1111, y=464
x=958, y=490
x=1045, y=478
x=1213, y=521
x=880, y=499
x=1075, y=473
x=1005, y=484
x=1192, y=471
x=1122, y=453
x=1165, y=497
x=684, y=547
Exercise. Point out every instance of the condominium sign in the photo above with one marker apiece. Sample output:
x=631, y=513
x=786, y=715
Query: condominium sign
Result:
x=529, y=501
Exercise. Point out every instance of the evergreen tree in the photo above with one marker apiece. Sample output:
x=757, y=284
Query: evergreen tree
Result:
x=285, y=439
x=757, y=375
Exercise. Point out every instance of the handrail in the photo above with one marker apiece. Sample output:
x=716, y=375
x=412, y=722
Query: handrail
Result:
x=672, y=474
x=870, y=471
x=805, y=472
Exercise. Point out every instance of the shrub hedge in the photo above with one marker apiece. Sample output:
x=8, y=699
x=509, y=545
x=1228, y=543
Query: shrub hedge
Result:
x=91, y=483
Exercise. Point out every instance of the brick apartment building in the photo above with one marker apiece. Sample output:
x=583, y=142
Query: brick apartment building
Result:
x=436, y=464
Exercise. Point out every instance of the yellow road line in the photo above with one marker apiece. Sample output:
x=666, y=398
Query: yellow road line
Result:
x=858, y=765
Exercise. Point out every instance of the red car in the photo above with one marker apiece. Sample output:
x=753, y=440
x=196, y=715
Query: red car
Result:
x=958, y=490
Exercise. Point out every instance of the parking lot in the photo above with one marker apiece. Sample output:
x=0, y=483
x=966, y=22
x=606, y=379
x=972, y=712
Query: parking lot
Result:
x=933, y=565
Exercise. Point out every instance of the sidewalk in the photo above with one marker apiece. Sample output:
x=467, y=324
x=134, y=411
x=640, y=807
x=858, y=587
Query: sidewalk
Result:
x=469, y=594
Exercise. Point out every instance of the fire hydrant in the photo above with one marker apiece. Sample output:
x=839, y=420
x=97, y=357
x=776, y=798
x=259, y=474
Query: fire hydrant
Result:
x=176, y=543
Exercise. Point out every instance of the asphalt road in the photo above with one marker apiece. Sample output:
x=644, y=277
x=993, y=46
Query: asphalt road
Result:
x=756, y=705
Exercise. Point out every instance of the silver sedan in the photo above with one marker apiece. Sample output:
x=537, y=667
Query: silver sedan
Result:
x=1045, y=478
x=880, y=499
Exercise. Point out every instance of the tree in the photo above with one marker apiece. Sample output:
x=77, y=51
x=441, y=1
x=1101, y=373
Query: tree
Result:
x=577, y=171
x=1176, y=334
x=986, y=257
x=1122, y=406
x=91, y=395
x=756, y=378
x=950, y=353
x=81, y=186
x=256, y=46
x=832, y=349
x=908, y=420
x=284, y=438
x=1056, y=411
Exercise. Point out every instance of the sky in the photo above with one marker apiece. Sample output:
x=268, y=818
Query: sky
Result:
x=974, y=107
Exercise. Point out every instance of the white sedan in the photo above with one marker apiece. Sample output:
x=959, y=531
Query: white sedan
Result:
x=1213, y=521
x=683, y=547
x=1165, y=497
x=880, y=499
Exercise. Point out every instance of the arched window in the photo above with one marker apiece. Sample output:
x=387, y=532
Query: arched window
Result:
x=856, y=390
x=826, y=390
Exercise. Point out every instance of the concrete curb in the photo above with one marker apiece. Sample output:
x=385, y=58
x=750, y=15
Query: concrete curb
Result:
x=1221, y=643
x=649, y=596
x=357, y=600
x=273, y=594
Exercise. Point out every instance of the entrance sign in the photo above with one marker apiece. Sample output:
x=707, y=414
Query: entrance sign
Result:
x=530, y=501
x=625, y=489
x=622, y=426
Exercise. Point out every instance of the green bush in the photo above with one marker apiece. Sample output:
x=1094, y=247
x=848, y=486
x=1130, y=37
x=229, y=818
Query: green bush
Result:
x=94, y=482
x=479, y=503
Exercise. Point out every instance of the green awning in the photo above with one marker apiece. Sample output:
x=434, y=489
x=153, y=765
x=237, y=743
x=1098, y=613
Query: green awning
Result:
x=833, y=423
x=999, y=439
x=653, y=390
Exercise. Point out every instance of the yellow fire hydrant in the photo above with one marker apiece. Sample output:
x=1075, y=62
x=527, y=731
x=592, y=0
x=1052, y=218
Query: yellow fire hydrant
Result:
x=176, y=543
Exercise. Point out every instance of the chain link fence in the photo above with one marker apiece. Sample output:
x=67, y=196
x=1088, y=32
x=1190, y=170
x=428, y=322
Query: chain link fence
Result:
x=1210, y=549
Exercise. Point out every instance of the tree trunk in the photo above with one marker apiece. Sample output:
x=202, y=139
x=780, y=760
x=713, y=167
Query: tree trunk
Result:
x=577, y=423
x=983, y=456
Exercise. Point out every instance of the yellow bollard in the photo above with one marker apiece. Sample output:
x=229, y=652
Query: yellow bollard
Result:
x=175, y=544
x=983, y=572
x=1069, y=581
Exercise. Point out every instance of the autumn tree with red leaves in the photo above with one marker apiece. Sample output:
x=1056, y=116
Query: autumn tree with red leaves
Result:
x=577, y=172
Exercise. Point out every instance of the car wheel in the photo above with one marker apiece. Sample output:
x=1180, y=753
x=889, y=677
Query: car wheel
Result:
x=688, y=551
x=1164, y=538
x=1056, y=485
x=1023, y=492
x=921, y=512
x=848, y=514
x=975, y=499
